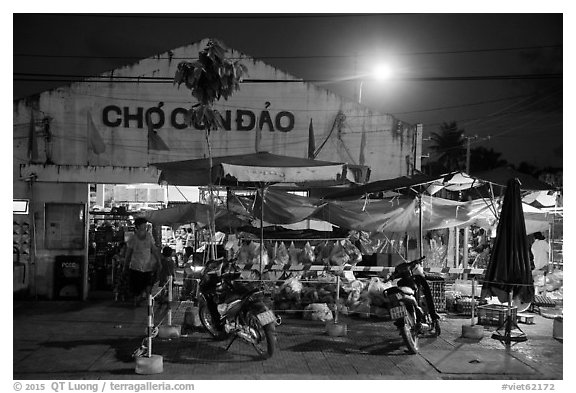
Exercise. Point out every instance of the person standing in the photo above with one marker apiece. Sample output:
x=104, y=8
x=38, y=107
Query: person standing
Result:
x=167, y=267
x=540, y=249
x=142, y=258
x=121, y=279
x=190, y=244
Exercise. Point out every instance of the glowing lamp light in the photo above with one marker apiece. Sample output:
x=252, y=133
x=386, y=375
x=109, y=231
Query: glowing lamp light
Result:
x=382, y=72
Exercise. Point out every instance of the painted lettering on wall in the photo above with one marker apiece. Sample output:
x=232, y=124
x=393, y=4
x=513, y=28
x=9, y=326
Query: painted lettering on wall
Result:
x=240, y=119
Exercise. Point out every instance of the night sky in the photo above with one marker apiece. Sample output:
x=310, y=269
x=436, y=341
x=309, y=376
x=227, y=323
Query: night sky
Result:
x=523, y=117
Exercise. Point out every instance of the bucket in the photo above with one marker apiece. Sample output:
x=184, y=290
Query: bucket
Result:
x=149, y=365
x=336, y=329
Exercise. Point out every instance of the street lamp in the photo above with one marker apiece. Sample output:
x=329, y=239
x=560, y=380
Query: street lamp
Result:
x=381, y=72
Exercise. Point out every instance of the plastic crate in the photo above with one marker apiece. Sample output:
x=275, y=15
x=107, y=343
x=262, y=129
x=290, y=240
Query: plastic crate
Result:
x=495, y=314
x=543, y=301
x=438, y=289
x=464, y=306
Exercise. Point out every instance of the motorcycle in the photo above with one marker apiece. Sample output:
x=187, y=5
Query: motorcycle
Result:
x=228, y=308
x=192, y=273
x=412, y=316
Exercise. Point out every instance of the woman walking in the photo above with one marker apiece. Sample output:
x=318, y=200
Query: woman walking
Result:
x=142, y=257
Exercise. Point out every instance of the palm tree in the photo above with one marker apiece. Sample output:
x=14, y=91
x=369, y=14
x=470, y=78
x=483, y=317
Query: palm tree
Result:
x=449, y=144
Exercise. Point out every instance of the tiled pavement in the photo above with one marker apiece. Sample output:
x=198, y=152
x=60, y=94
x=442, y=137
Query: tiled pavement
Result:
x=95, y=340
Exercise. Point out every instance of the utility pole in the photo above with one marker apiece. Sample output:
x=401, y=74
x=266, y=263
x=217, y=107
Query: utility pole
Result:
x=467, y=229
x=468, y=155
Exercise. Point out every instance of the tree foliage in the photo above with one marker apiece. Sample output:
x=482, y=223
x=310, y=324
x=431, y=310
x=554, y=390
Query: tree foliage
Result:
x=484, y=159
x=449, y=145
x=209, y=78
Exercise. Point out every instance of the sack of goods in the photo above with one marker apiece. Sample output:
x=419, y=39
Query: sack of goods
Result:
x=318, y=312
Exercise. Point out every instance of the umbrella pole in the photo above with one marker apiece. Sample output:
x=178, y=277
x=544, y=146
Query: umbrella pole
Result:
x=420, y=226
x=261, y=233
x=508, y=331
x=473, y=303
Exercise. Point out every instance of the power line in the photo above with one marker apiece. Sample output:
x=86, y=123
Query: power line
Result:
x=297, y=57
x=224, y=105
x=32, y=77
x=225, y=16
x=464, y=105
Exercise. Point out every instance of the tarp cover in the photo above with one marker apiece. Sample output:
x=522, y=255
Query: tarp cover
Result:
x=501, y=176
x=454, y=181
x=383, y=185
x=397, y=214
x=509, y=266
x=261, y=167
x=197, y=213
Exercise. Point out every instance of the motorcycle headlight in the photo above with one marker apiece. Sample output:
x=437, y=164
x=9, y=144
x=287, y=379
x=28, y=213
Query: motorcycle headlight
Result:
x=197, y=269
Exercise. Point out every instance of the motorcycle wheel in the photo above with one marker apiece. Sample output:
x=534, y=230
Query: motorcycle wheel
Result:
x=208, y=322
x=264, y=336
x=410, y=334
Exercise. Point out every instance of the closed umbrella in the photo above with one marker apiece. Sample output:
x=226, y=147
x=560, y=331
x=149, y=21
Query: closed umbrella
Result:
x=508, y=273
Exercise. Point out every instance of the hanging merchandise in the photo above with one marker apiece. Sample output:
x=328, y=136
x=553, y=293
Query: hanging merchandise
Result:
x=352, y=251
x=307, y=255
x=282, y=256
x=293, y=252
x=338, y=256
x=322, y=253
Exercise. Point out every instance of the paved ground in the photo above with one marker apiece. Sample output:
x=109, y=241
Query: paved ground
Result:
x=95, y=340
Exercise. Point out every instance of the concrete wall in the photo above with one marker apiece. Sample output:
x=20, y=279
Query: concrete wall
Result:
x=40, y=267
x=387, y=141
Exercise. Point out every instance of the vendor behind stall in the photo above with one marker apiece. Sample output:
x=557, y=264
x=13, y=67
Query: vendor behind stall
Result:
x=540, y=250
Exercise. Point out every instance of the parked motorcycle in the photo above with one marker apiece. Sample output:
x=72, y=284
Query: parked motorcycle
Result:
x=228, y=308
x=192, y=272
x=406, y=304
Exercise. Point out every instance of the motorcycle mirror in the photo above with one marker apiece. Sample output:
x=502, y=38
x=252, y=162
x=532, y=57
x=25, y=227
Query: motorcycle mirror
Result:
x=418, y=270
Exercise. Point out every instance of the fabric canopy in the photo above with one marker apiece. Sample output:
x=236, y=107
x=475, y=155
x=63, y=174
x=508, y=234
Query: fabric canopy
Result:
x=262, y=167
x=454, y=181
x=501, y=176
x=197, y=213
x=181, y=214
x=541, y=199
x=383, y=185
x=396, y=214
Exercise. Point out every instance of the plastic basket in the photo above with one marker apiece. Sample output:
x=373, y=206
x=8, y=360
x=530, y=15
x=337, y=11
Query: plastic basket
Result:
x=495, y=314
x=464, y=306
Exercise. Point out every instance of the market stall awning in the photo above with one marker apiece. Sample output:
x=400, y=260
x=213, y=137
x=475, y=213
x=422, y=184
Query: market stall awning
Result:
x=255, y=168
x=396, y=214
x=502, y=175
x=383, y=185
x=197, y=213
x=181, y=214
x=455, y=181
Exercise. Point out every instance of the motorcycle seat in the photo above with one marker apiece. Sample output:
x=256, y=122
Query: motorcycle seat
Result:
x=406, y=290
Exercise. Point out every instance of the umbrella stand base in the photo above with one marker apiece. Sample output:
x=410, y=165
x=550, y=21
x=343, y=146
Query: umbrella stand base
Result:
x=507, y=337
